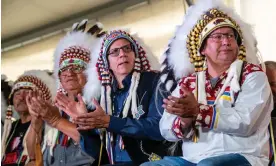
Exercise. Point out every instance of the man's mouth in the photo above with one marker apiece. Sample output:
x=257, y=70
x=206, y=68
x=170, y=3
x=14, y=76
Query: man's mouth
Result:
x=70, y=80
x=20, y=103
x=122, y=63
x=227, y=50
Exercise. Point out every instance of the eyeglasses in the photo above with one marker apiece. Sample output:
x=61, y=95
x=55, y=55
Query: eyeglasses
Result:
x=116, y=51
x=22, y=92
x=76, y=70
x=218, y=37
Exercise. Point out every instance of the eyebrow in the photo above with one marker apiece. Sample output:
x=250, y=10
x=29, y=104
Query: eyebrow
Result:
x=119, y=47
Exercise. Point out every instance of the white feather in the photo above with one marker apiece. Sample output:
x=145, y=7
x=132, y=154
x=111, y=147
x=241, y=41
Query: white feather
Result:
x=179, y=58
x=81, y=39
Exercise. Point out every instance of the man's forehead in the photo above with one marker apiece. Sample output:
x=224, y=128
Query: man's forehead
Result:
x=71, y=67
x=23, y=90
x=223, y=30
x=119, y=42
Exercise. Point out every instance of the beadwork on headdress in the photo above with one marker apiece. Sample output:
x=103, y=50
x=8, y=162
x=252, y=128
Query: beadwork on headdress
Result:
x=141, y=62
x=182, y=57
x=210, y=21
x=77, y=48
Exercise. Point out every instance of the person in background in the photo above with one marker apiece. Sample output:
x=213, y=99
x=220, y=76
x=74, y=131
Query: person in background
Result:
x=14, y=151
x=271, y=75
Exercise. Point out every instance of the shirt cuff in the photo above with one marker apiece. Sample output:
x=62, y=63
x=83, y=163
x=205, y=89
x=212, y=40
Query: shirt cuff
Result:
x=180, y=133
x=116, y=124
x=176, y=128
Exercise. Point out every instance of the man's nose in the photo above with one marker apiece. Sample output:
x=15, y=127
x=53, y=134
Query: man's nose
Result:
x=225, y=41
x=22, y=95
x=69, y=72
x=121, y=53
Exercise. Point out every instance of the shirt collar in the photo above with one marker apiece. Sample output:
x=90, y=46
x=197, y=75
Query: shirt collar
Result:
x=126, y=83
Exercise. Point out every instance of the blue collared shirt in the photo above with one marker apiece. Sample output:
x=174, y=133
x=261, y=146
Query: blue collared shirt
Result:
x=119, y=97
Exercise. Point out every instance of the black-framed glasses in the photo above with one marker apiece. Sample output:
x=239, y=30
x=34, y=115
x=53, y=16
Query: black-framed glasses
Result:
x=74, y=69
x=116, y=51
x=218, y=37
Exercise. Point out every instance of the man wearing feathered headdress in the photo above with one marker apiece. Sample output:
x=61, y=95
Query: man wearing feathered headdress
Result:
x=221, y=106
x=14, y=151
x=128, y=112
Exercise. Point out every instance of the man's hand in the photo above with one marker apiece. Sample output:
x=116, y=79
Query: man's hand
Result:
x=71, y=107
x=42, y=109
x=92, y=120
x=36, y=122
x=186, y=106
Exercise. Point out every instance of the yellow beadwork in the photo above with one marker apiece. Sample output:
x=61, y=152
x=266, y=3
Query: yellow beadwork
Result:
x=193, y=41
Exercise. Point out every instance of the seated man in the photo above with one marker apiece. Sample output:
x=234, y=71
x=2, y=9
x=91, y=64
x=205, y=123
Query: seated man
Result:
x=13, y=147
x=222, y=110
x=61, y=138
x=129, y=111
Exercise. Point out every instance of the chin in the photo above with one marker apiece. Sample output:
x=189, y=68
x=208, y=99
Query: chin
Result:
x=71, y=86
x=226, y=61
x=124, y=72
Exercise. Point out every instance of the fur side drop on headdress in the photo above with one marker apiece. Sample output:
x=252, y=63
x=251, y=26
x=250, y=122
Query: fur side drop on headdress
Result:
x=36, y=80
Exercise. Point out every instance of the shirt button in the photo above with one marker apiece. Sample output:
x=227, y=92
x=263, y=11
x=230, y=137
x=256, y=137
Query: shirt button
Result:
x=61, y=161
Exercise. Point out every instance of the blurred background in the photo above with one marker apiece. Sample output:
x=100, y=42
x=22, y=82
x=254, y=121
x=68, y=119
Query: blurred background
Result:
x=31, y=29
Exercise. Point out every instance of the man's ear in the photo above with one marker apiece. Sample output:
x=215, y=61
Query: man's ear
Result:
x=202, y=50
x=203, y=47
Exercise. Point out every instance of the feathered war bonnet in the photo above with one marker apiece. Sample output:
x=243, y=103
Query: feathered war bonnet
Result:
x=183, y=57
x=39, y=80
x=144, y=61
x=77, y=48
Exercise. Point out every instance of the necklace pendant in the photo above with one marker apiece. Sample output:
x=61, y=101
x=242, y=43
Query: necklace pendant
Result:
x=140, y=112
x=154, y=157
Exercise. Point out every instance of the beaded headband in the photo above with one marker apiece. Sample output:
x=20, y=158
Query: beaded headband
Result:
x=31, y=82
x=74, y=55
